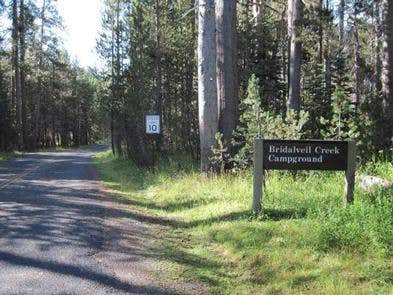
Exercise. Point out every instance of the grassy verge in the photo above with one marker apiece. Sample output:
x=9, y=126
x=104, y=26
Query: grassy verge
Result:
x=6, y=156
x=303, y=243
x=9, y=155
x=3, y=156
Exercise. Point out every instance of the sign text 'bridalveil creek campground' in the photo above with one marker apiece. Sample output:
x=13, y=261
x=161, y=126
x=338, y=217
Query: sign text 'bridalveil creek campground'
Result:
x=303, y=155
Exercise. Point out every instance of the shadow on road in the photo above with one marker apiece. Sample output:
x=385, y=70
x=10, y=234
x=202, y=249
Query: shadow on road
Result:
x=71, y=270
x=58, y=210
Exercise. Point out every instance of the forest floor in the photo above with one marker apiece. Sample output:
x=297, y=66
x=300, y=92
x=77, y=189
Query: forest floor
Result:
x=305, y=242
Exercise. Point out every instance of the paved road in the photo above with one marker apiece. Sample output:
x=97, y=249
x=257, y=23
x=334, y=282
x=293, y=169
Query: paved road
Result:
x=60, y=235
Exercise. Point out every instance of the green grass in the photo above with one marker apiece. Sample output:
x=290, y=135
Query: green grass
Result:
x=9, y=155
x=303, y=243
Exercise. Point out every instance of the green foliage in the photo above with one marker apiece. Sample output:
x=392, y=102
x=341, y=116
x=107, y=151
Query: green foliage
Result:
x=220, y=155
x=316, y=36
x=150, y=68
x=378, y=131
x=314, y=99
x=251, y=122
x=342, y=125
x=56, y=102
x=262, y=50
x=256, y=123
x=350, y=123
x=290, y=127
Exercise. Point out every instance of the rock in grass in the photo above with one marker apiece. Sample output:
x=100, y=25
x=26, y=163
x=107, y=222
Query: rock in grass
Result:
x=368, y=183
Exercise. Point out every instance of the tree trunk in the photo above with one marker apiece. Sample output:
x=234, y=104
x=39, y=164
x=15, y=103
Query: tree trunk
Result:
x=341, y=12
x=188, y=90
x=245, y=42
x=358, y=83
x=158, y=70
x=112, y=103
x=118, y=98
x=38, y=101
x=295, y=10
x=320, y=33
x=257, y=9
x=378, y=47
x=227, y=84
x=117, y=105
x=22, y=41
x=207, y=83
x=387, y=73
x=16, y=83
x=328, y=64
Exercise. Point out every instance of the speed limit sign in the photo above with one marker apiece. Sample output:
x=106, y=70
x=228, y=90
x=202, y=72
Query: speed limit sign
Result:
x=153, y=124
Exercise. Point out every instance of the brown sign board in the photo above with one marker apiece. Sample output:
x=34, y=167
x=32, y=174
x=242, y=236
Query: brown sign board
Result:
x=305, y=155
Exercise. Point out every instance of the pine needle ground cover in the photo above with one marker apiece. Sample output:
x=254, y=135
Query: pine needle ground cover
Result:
x=305, y=242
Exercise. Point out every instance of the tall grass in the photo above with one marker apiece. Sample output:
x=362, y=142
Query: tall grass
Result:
x=365, y=226
x=304, y=242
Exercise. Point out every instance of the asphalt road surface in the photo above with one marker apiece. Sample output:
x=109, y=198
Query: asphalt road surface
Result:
x=60, y=234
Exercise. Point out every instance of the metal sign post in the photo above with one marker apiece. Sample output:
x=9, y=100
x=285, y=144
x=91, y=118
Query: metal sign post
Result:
x=153, y=129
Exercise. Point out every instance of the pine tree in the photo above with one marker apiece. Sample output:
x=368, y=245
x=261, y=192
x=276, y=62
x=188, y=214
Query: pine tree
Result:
x=207, y=87
x=227, y=84
x=295, y=11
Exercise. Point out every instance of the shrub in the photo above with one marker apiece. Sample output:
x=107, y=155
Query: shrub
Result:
x=256, y=123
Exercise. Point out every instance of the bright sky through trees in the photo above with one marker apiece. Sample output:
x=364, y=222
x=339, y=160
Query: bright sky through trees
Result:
x=82, y=21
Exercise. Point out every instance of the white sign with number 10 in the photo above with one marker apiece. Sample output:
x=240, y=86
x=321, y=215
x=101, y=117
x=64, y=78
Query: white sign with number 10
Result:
x=153, y=124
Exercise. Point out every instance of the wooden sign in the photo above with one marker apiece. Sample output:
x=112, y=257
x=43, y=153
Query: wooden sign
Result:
x=303, y=155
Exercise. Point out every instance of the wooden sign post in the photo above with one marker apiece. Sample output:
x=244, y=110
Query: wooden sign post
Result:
x=303, y=155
